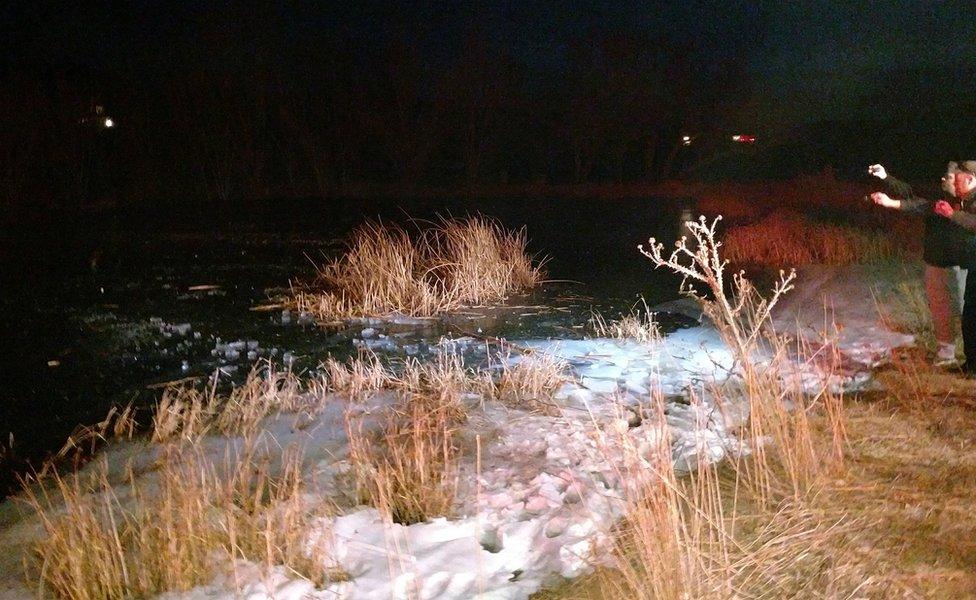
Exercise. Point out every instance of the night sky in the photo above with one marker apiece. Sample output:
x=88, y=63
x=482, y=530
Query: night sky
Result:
x=818, y=60
x=807, y=60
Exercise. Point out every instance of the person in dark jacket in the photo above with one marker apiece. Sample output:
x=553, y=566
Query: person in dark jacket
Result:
x=965, y=216
x=940, y=251
x=960, y=213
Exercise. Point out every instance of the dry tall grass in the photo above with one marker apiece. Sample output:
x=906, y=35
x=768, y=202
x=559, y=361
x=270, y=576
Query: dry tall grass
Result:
x=355, y=378
x=188, y=412
x=907, y=311
x=171, y=528
x=85, y=440
x=527, y=381
x=912, y=478
x=438, y=383
x=705, y=535
x=408, y=467
x=483, y=261
x=779, y=407
x=639, y=326
x=752, y=528
x=455, y=263
x=530, y=382
x=786, y=238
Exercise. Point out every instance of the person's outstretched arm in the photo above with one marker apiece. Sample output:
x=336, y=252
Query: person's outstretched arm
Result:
x=894, y=186
x=898, y=188
x=910, y=205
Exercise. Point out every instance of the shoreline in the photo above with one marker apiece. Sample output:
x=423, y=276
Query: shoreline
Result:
x=539, y=531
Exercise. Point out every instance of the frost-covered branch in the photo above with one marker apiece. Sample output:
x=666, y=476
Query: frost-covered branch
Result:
x=740, y=313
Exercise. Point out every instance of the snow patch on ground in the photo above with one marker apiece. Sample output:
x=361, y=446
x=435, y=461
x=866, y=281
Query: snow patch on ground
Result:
x=840, y=305
x=542, y=502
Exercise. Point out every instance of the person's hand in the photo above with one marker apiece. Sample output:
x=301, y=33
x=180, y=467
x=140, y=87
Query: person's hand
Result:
x=878, y=171
x=944, y=209
x=882, y=199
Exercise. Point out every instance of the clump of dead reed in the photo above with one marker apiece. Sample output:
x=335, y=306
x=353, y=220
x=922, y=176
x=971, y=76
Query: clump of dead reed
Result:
x=404, y=457
x=907, y=310
x=788, y=238
x=85, y=440
x=638, y=326
x=483, y=261
x=406, y=463
x=529, y=382
x=188, y=411
x=355, y=378
x=170, y=530
x=703, y=534
x=408, y=466
x=451, y=264
x=442, y=380
x=178, y=524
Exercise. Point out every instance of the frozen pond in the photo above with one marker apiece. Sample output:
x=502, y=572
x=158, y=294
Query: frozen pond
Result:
x=94, y=321
x=539, y=496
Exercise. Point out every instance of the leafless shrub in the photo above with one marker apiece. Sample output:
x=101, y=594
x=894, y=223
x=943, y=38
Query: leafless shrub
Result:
x=754, y=527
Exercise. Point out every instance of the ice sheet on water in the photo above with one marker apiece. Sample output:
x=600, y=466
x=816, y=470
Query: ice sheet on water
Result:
x=684, y=356
x=379, y=344
x=392, y=319
x=169, y=330
x=600, y=386
x=603, y=371
x=245, y=351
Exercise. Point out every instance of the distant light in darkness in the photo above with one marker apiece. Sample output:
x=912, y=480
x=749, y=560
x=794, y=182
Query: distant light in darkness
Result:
x=686, y=140
x=744, y=139
x=109, y=123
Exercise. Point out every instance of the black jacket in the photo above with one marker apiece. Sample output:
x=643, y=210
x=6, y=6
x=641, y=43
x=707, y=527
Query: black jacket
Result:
x=964, y=216
x=945, y=243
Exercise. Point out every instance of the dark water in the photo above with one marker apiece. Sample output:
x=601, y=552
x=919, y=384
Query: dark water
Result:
x=95, y=310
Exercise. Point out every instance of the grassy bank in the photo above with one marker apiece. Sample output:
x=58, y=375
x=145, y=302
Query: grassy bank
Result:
x=896, y=521
x=826, y=496
x=788, y=238
x=820, y=188
x=867, y=496
x=213, y=486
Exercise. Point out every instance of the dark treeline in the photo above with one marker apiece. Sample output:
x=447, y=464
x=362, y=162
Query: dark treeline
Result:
x=241, y=104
